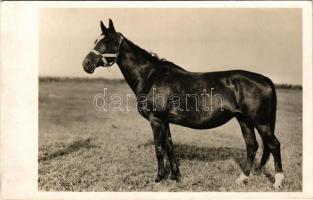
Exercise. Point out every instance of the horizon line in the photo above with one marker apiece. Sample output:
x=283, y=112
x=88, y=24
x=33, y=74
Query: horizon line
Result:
x=43, y=77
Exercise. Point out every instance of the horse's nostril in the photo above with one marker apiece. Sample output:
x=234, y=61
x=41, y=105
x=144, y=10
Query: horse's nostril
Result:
x=86, y=63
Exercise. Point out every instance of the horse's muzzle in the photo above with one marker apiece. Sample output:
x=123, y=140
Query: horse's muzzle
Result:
x=88, y=67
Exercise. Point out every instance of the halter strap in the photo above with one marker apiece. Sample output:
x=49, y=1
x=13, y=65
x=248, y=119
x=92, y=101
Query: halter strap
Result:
x=109, y=55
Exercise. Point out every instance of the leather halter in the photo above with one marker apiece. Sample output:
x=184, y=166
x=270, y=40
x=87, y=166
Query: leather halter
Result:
x=104, y=56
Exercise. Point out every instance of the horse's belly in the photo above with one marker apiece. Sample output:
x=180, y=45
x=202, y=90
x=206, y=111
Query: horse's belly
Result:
x=200, y=121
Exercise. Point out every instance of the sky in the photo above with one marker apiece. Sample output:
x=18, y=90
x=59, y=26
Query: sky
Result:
x=266, y=41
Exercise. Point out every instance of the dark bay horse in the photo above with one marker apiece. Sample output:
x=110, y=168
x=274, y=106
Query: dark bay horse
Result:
x=247, y=96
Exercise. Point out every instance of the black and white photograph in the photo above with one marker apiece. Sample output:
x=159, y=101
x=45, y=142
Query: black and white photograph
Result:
x=170, y=99
x=178, y=73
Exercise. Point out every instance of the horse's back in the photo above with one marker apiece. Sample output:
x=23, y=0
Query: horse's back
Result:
x=241, y=92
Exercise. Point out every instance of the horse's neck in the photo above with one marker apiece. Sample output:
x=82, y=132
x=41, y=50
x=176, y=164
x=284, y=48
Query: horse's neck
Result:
x=137, y=69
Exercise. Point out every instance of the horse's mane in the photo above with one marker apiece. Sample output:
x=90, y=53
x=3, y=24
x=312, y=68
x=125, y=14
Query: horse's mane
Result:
x=153, y=57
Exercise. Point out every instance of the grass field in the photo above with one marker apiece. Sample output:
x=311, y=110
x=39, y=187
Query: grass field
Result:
x=82, y=149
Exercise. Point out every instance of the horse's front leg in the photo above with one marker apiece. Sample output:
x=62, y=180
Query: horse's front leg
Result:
x=159, y=133
x=169, y=147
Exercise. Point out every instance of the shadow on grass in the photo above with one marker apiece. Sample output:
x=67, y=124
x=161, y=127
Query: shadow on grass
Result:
x=209, y=154
x=212, y=154
x=75, y=146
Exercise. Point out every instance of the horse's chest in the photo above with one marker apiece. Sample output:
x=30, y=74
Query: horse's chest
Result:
x=144, y=113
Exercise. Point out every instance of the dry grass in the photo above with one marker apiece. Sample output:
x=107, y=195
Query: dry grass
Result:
x=82, y=149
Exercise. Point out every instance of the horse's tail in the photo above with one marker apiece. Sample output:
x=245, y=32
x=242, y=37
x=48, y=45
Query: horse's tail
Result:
x=274, y=107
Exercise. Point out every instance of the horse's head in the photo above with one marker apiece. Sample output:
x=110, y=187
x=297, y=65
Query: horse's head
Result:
x=105, y=50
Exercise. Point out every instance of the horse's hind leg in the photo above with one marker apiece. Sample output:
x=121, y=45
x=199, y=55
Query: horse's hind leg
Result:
x=265, y=156
x=252, y=147
x=273, y=145
x=169, y=147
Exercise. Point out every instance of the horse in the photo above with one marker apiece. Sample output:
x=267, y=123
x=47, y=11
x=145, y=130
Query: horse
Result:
x=247, y=96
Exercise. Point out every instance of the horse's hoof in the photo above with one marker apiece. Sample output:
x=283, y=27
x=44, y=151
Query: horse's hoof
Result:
x=159, y=178
x=242, y=179
x=277, y=186
x=279, y=178
x=258, y=169
x=175, y=177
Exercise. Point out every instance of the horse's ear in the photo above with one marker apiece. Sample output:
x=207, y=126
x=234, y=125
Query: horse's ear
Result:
x=103, y=28
x=111, y=26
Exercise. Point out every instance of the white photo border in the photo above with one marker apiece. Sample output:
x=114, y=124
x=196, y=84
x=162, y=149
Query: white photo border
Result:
x=19, y=101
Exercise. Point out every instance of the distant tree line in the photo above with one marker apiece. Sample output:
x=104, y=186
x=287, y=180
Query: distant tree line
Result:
x=121, y=81
x=288, y=86
x=79, y=79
